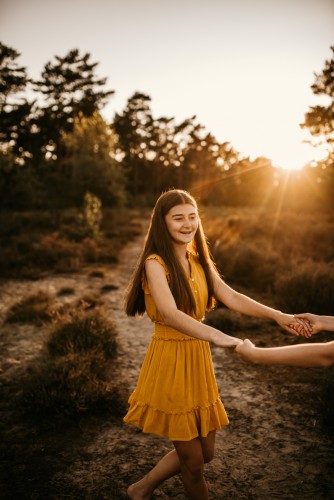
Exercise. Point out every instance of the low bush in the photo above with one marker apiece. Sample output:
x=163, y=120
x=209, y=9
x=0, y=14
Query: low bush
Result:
x=35, y=242
x=54, y=250
x=76, y=370
x=36, y=309
x=308, y=287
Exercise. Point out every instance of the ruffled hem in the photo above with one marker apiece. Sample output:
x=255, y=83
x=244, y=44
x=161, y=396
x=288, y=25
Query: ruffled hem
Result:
x=177, y=426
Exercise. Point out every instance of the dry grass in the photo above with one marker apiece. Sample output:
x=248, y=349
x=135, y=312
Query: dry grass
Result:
x=36, y=309
x=36, y=242
x=290, y=255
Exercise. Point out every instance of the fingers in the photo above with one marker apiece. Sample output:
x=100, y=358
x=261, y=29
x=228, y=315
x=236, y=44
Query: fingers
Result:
x=300, y=326
x=306, y=325
x=303, y=316
x=294, y=329
x=246, y=344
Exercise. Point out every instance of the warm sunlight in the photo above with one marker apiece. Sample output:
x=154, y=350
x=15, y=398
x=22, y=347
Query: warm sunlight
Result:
x=290, y=166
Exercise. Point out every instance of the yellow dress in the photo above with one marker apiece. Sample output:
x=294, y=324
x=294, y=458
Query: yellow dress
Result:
x=176, y=394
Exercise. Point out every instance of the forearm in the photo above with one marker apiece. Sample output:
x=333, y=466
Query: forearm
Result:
x=190, y=326
x=326, y=323
x=250, y=307
x=303, y=355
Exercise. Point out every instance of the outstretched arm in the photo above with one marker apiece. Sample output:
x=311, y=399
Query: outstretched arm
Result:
x=318, y=323
x=245, y=305
x=303, y=355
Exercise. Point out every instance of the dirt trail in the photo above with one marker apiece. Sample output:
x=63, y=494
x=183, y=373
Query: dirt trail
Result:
x=274, y=447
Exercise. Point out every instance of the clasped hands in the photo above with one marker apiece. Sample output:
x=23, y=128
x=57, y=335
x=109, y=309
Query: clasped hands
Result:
x=298, y=324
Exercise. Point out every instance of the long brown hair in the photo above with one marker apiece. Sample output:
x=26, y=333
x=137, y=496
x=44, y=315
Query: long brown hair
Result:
x=158, y=240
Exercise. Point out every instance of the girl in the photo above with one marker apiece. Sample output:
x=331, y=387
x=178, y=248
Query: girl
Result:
x=175, y=282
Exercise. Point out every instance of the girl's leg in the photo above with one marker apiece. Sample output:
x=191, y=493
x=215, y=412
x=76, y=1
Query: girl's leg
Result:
x=192, y=455
x=168, y=467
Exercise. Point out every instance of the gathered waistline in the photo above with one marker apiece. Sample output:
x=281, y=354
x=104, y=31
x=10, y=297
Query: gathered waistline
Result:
x=164, y=332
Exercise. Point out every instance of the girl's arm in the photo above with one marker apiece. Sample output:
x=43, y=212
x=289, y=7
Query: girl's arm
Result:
x=318, y=323
x=245, y=305
x=173, y=317
x=304, y=355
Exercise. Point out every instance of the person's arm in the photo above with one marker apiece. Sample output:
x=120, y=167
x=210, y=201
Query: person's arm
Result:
x=318, y=323
x=303, y=355
x=245, y=305
x=173, y=317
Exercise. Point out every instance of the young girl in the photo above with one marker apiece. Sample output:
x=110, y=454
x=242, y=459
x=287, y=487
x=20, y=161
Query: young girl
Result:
x=176, y=396
x=304, y=355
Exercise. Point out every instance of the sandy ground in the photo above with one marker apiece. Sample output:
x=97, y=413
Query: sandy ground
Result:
x=274, y=448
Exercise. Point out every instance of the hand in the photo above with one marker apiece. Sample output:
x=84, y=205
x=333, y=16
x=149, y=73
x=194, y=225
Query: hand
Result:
x=246, y=350
x=313, y=319
x=294, y=325
x=227, y=341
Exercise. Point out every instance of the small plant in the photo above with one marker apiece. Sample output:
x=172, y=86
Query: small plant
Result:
x=36, y=309
x=91, y=217
x=76, y=372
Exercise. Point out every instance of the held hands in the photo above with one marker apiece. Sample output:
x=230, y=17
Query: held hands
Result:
x=246, y=351
x=297, y=325
x=313, y=320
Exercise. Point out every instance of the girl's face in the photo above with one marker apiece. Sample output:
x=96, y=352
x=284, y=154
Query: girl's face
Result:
x=182, y=223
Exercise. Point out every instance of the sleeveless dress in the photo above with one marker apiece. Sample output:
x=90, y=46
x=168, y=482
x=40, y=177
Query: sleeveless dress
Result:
x=176, y=394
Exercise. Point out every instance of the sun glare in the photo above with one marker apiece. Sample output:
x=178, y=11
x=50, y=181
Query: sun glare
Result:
x=289, y=166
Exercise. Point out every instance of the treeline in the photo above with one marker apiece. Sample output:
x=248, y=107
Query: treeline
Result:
x=55, y=147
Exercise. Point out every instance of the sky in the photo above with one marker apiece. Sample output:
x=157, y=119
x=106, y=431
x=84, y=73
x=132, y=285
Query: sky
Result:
x=243, y=67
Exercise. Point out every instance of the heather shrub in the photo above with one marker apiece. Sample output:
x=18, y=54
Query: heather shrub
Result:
x=36, y=309
x=76, y=370
x=255, y=249
x=34, y=242
x=308, y=287
x=83, y=333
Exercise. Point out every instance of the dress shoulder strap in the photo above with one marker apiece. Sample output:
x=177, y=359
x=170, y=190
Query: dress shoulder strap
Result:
x=155, y=256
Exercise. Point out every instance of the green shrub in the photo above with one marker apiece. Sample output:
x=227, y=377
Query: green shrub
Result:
x=76, y=370
x=91, y=217
x=35, y=309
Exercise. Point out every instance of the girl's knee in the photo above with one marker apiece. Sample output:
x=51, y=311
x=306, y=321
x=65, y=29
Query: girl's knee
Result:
x=193, y=469
x=208, y=455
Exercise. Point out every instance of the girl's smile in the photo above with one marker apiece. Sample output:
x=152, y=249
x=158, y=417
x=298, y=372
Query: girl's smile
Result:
x=182, y=223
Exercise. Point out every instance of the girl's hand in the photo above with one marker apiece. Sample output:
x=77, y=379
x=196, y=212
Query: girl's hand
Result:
x=246, y=350
x=314, y=320
x=296, y=326
x=227, y=342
